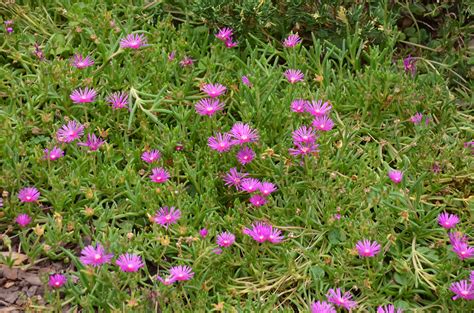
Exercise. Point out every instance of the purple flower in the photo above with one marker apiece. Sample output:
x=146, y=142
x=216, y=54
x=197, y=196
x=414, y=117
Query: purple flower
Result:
x=93, y=142
x=246, y=81
x=229, y=43
x=208, y=106
x=186, y=61
x=57, y=280
x=8, y=26
x=298, y=105
x=293, y=76
x=224, y=34
x=341, y=300
x=409, y=65
x=225, y=239
x=257, y=200
x=304, y=149
x=245, y=155
x=389, y=308
x=291, y=41
x=95, y=256
x=318, y=108
x=38, y=52
x=220, y=142
x=70, y=132
x=395, y=176
x=54, y=154
x=366, y=248
x=23, y=219
x=447, y=220
x=159, y=175
x=133, y=41
x=181, y=272
x=463, y=289
x=462, y=249
x=28, y=194
x=457, y=237
x=151, y=156
x=118, y=100
x=217, y=250
x=83, y=95
x=171, y=56
x=167, y=216
x=267, y=188
x=214, y=90
x=129, y=262
x=234, y=178
x=203, y=232
x=416, y=119
x=323, y=123
x=78, y=61
x=243, y=133
x=262, y=232
x=322, y=307
x=250, y=184
x=166, y=281
x=304, y=135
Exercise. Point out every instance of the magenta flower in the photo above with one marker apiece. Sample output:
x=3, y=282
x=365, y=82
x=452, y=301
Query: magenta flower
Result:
x=57, y=280
x=23, y=220
x=389, y=308
x=208, y=106
x=291, y=41
x=366, y=248
x=70, y=132
x=462, y=249
x=54, y=154
x=318, y=108
x=246, y=81
x=447, y=220
x=159, y=175
x=245, y=155
x=463, y=290
x=457, y=237
x=224, y=34
x=416, y=119
x=341, y=300
x=322, y=307
x=323, y=123
x=395, y=176
x=243, y=133
x=203, y=232
x=225, y=239
x=234, y=178
x=118, y=100
x=8, y=26
x=93, y=142
x=181, y=272
x=95, y=256
x=267, y=188
x=133, y=41
x=304, y=135
x=214, y=90
x=220, y=142
x=257, y=200
x=86, y=95
x=298, y=105
x=167, y=216
x=304, y=149
x=78, y=61
x=166, y=281
x=262, y=232
x=171, y=56
x=129, y=262
x=186, y=62
x=409, y=65
x=28, y=194
x=250, y=184
x=217, y=250
x=151, y=156
x=293, y=76
x=229, y=43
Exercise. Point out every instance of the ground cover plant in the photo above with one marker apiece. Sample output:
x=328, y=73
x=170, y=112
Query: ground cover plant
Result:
x=160, y=163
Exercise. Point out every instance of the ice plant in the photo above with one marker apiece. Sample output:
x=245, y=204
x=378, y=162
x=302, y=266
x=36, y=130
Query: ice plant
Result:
x=250, y=184
x=267, y=188
x=298, y=105
x=93, y=142
x=166, y=281
x=262, y=232
x=186, y=62
x=214, y=90
x=28, y=194
x=416, y=119
x=159, y=175
x=171, y=56
x=323, y=123
x=395, y=176
x=151, y=156
x=318, y=108
x=57, y=280
x=409, y=65
x=220, y=142
x=53, y=154
x=129, y=262
x=86, y=95
x=304, y=149
x=167, y=216
x=118, y=100
x=243, y=133
x=291, y=41
x=322, y=307
x=447, y=220
x=462, y=249
x=133, y=41
x=245, y=155
x=246, y=81
x=294, y=76
x=389, y=308
x=181, y=272
x=366, y=248
x=225, y=239
x=80, y=62
x=234, y=178
x=341, y=300
x=23, y=220
x=230, y=43
x=304, y=135
x=224, y=34
x=257, y=200
x=208, y=106
x=203, y=232
x=95, y=256
x=463, y=290
x=9, y=26
x=70, y=132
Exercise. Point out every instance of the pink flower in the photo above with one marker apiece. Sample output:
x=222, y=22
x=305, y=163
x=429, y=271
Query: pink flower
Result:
x=389, y=308
x=322, y=307
x=186, y=62
x=8, y=26
x=133, y=41
x=57, y=280
x=304, y=149
x=118, y=100
x=129, y=262
x=318, y=108
x=234, y=178
x=54, y=154
x=225, y=239
x=262, y=232
x=28, y=194
x=171, y=56
x=416, y=119
x=167, y=216
x=203, y=232
x=304, y=135
x=181, y=272
x=267, y=188
x=78, y=61
x=208, y=106
x=83, y=95
x=291, y=41
x=166, y=281
x=462, y=249
x=93, y=142
x=294, y=76
x=341, y=300
x=323, y=123
x=395, y=176
x=366, y=248
x=463, y=289
x=246, y=81
x=95, y=256
x=257, y=200
x=159, y=175
x=250, y=184
x=217, y=250
x=245, y=155
x=298, y=105
x=214, y=90
x=243, y=133
x=151, y=156
x=229, y=43
x=447, y=220
x=224, y=34
x=23, y=220
x=409, y=64
x=220, y=143
x=70, y=132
